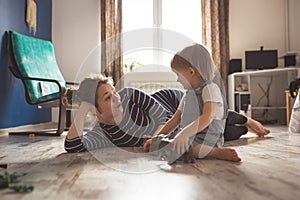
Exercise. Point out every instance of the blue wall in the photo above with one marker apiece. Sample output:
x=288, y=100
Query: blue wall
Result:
x=14, y=111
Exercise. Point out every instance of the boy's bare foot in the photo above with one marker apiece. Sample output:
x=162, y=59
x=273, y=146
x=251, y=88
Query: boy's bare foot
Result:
x=224, y=154
x=256, y=127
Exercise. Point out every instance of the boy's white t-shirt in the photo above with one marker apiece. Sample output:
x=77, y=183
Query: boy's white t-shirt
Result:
x=211, y=93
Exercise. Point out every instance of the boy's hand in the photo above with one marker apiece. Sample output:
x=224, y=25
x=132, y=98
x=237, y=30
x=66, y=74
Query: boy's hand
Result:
x=181, y=143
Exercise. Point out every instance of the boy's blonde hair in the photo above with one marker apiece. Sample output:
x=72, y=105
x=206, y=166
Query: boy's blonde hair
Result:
x=179, y=62
x=196, y=56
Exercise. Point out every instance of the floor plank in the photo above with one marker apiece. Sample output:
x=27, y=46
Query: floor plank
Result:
x=270, y=169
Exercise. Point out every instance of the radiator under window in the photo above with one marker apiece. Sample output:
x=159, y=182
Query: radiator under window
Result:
x=151, y=81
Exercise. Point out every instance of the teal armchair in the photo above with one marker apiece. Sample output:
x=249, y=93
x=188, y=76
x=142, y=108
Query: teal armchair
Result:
x=33, y=61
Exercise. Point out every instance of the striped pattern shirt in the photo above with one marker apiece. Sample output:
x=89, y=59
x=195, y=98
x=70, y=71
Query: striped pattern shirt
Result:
x=143, y=113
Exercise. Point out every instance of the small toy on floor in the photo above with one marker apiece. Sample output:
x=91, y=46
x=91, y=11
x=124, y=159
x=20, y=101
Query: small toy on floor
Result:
x=7, y=179
x=163, y=145
x=4, y=166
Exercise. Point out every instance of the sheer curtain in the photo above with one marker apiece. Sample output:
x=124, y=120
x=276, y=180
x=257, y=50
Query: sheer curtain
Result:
x=215, y=33
x=111, y=40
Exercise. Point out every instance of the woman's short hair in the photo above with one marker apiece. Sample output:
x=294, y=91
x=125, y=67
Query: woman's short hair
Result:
x=87, y=90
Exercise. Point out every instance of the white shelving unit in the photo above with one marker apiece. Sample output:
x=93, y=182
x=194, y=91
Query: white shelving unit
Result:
x=267, y=92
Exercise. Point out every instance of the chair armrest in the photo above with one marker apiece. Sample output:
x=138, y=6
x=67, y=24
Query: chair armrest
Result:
x=61, y=87
x=71, y=83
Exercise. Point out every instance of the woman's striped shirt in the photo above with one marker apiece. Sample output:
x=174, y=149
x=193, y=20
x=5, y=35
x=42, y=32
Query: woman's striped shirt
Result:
x=143, y=113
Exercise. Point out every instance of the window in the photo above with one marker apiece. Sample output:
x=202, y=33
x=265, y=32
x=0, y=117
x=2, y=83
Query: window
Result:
x=154, y=30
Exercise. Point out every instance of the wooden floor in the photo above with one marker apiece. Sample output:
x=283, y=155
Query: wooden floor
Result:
x=270, y=170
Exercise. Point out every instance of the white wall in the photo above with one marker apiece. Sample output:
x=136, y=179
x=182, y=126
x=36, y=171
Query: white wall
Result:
x=76, y=39
x=294, y=27
x=75, y=35
x=255, y=23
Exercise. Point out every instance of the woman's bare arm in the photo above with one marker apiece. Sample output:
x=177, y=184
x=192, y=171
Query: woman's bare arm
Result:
x=77, y=126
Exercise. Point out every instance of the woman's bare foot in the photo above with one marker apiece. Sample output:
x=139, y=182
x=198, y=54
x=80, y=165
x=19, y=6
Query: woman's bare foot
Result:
x=256, y=127
x=224, y=154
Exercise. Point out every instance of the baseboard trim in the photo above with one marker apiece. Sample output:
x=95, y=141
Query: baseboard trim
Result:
x=29, y=127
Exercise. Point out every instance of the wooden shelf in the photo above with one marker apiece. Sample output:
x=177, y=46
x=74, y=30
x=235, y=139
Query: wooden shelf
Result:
x=266, y=107
x=265, y=87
